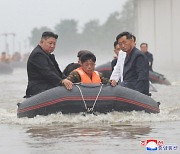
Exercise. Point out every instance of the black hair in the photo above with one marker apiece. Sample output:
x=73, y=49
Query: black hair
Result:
x=115, y=43
x=81, y=52
x=144, y=44
x=88, y=56
x=127, y=34
x=46, y=35
x=134, y=38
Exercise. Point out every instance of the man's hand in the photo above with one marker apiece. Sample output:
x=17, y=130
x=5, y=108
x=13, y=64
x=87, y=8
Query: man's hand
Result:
x=113, y=83
x=68, y=84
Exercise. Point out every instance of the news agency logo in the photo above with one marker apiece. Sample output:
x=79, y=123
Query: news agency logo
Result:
x=154, y=145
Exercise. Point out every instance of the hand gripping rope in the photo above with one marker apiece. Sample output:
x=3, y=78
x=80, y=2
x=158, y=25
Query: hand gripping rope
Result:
x=89, y=110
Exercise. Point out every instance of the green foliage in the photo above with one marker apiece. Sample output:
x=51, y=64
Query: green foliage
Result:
x=90, y=34
x=94, y=37
x=36, y=35
x=128, y=16
x=109, y=31
x=68, y=35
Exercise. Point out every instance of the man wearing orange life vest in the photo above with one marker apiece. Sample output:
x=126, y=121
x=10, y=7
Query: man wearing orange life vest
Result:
x=86, y=72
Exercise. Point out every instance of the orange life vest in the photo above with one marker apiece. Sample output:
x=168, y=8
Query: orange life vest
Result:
x=86, y=79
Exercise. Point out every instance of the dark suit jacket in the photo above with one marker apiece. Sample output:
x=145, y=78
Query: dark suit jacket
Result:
x=136, y=72
x=150, y=59
x=43, y=72
x=113, y=63
x=70, y=67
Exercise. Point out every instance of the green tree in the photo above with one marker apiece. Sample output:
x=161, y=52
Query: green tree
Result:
x=109, y=31
x=89, y=36
x=128, y=16
x=36, y=35
x=94, y=36
x=68, y=35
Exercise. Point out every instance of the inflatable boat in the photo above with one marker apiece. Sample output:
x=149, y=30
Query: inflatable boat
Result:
x=90, y=98
x=154, y=77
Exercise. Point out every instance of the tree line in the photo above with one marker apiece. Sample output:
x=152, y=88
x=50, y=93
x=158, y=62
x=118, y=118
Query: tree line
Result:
x=94, y=37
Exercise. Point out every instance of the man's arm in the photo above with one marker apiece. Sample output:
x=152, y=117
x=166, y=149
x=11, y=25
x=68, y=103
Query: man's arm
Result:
x=74, y=77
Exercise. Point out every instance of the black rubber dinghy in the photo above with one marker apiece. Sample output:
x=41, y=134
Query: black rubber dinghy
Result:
x=154, y=77
x=86, y=98
x=105, y=69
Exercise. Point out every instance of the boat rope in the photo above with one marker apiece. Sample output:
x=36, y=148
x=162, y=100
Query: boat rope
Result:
x=89, y=110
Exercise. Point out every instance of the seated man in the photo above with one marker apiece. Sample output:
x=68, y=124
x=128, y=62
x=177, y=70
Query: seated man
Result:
x=42, y=68
x=72, y=66
x=86, y=73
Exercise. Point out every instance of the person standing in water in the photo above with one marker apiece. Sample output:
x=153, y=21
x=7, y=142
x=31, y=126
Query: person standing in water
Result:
x=144, y=49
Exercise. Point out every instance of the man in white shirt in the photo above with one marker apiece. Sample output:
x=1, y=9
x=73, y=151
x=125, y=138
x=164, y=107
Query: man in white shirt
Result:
x=117, y=73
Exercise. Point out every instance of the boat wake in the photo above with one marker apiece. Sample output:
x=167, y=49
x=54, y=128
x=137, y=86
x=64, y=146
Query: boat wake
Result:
x=166, y=114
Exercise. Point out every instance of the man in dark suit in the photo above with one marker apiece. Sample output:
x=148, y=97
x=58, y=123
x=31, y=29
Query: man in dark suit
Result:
x=136, y=70
x=42, y=68
x=144, y=49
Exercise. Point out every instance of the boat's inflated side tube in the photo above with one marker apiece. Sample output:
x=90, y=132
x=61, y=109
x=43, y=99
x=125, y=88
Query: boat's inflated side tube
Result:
x=97, y=97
